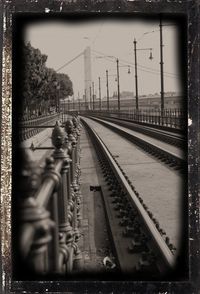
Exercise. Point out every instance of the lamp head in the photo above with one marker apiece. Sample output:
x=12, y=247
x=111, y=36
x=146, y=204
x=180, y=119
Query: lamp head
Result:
x=151, y=56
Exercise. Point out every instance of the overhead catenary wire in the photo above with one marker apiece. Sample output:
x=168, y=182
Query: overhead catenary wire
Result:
x=126, y=62
x=70, y=61
x=154, y=31
x=146, y=33
x=140, y=67
x=129, y=62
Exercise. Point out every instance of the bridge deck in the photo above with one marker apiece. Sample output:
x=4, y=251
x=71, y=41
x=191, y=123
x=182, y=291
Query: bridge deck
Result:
x=157, y=184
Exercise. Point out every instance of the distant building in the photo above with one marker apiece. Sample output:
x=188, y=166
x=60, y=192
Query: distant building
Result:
x=151, y=101
x=172, y=100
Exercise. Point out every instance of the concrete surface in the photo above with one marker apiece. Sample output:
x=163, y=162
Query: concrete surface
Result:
x=95, y=240
x=160, y=187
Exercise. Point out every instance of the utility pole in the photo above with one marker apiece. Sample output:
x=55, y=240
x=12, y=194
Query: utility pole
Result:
x=79, y=103
x=85, y=100
x=90, y=97
x=99, y=93
x=93, y=94
x=136, y=78
x=107, y=90
x=118, y=88
x=161, y=70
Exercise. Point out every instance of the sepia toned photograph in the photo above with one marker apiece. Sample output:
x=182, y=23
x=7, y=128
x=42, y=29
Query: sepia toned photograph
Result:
x=102, y=139
x=99, y=146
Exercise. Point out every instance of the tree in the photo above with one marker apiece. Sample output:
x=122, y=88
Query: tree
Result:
x=41, y=86
x=33, y=71
x=66, y=88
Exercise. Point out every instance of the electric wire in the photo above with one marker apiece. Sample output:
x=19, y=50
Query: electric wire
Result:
x=140, y=67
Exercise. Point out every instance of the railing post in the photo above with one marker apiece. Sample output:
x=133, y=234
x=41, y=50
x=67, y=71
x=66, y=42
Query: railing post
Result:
x=73, y=136
x=55, y=245
x=69, y=181
x=34, y=221
x=49, y=172
x=76, y=188
x=69, y=131
x=65, y=229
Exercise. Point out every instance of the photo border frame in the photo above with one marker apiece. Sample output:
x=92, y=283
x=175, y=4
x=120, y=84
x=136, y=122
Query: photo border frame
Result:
x=191, y=9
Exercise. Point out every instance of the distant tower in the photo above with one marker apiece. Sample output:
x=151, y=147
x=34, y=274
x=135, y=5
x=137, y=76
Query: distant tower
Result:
x=88, y=72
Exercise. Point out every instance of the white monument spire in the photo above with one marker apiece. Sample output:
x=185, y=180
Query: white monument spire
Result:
x=88, y=72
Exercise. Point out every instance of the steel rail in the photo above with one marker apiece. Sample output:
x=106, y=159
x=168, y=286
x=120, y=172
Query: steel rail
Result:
x=160, y=127
x=163, y=250
x=164, y=154
x=164, y=136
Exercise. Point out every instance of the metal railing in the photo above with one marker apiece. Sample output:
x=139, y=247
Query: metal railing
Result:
x=29, y=128
x=49, y=214
x=173, y=118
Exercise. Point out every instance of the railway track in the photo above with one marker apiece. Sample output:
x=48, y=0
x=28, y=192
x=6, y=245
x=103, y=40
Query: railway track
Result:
x=163, y=135
x=153, y=126
x=141, y=245
x=172, y=156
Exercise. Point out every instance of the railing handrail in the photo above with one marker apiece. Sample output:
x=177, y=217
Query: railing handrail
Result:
x=29, y=127
x=39, y=118
x=48, y=212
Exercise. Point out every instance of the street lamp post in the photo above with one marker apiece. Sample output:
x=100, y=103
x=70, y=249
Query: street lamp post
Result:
x=90, y=97
x=117, y=79
x=79, y=103
x=136, y=76
x=93, y=94
x=85, y=100
x=99, y=93
x=161, y=70
x=107, y=90
x=118, y=87
x=136, y=79
x=118, y=83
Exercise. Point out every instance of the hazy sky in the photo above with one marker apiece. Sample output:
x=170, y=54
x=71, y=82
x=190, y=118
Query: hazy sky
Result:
x=62, y=41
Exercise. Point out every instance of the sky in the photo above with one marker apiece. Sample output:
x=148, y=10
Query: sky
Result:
x=62, y=41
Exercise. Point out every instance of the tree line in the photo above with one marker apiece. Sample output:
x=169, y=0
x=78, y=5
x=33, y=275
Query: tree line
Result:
x=42, y=87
